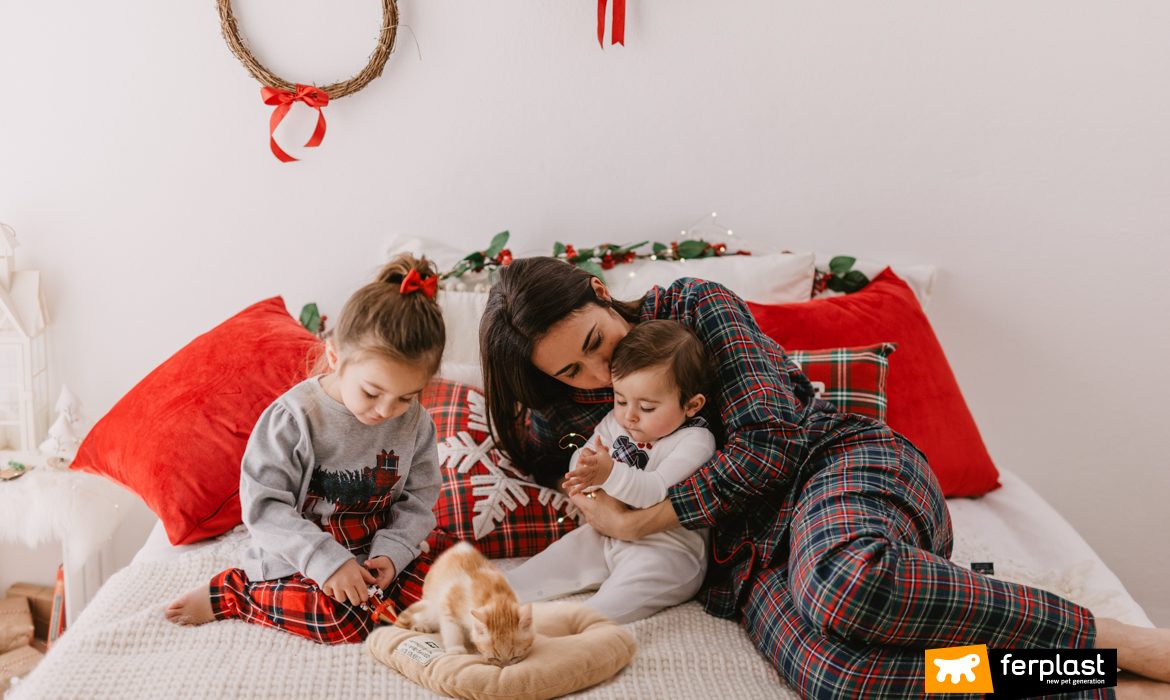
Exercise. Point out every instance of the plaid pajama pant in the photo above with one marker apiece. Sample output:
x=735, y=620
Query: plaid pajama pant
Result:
x=868, y=585
x=297, y=605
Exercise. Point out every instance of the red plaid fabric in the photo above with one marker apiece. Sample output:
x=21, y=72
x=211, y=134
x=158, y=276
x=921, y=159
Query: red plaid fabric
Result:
x=484, y=500
x=852, y=379
x=354, y=524
x=294, y=604
x=298, y=606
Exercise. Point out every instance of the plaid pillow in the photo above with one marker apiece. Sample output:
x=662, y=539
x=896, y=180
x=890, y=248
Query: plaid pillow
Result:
x=853, y=379
x=484, y=499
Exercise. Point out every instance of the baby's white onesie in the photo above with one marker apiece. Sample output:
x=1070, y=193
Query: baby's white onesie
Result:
x=633, y=579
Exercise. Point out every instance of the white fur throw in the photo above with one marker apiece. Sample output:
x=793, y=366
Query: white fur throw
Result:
x=79, y=509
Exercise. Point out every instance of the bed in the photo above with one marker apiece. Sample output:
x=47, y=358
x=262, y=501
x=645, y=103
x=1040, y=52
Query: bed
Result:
x=122, y=647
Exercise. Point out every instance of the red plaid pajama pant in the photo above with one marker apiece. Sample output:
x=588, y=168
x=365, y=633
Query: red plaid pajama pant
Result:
x=868, y=585
x=297, y=605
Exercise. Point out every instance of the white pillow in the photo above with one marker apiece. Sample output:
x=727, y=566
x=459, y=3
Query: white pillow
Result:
x=776, y=278
x=469, y=374
x=461, y=314
x=920, y=278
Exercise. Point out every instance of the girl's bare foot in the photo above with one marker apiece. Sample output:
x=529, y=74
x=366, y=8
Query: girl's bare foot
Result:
x=192, y=608
x=1141, y=650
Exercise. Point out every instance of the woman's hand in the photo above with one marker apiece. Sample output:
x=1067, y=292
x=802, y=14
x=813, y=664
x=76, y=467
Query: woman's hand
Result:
x=383, y=570
x=349, y=584
x=606, y=514
x=612, y=518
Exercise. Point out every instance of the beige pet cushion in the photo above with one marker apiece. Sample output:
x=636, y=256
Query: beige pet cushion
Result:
x=575, y=647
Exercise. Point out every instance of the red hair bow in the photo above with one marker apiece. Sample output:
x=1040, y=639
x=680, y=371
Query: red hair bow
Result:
x=414, y=282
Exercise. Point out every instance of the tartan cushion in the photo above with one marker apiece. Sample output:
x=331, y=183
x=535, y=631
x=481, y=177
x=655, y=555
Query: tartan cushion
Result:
x=484, y=499
x=853, y=379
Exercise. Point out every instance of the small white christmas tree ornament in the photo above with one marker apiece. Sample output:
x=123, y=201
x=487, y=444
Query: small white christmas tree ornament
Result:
x=70, y=407
x=63, y=440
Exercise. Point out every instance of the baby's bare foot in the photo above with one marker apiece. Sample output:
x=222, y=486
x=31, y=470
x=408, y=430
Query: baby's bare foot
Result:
x=192, y=608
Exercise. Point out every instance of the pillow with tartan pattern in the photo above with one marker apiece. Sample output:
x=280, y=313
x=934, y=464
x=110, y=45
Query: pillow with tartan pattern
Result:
x=852, y=379
x=484, y=499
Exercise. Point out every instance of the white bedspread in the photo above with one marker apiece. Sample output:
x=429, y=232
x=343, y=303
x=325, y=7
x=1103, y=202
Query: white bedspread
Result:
x=121, y=647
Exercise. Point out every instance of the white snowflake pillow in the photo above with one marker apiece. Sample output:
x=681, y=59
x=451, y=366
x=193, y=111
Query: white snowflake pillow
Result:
x=484, y=499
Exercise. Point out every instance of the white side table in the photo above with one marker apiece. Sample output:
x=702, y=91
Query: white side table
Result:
x=81, y=511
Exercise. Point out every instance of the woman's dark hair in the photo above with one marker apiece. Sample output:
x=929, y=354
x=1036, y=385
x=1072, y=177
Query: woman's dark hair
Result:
x=531, y=296
x=666, y=344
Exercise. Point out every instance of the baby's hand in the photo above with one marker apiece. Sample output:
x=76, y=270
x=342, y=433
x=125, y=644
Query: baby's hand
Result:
x=383, y=569
x=349, y=584
x=593, y=468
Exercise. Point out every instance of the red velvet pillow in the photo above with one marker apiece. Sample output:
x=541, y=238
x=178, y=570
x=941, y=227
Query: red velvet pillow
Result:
x=484, y=499
x=925, y=403
x=177, y=438
x=854, y=379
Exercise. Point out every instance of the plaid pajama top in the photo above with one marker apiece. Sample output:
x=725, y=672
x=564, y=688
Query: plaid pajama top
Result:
x=772, y=421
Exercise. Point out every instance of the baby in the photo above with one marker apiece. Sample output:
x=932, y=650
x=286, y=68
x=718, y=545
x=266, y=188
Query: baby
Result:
x=651, y=440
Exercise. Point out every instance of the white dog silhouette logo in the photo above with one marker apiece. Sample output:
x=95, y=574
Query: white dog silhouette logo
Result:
x=957, y=667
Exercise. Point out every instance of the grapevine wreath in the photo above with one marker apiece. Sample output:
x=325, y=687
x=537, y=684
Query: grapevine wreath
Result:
x=281, y=94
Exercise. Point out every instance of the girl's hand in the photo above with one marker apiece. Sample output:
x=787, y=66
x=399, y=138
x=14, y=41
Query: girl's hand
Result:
x=383, y=569
x=607, y=515
x=593, y=468
x=349, y=584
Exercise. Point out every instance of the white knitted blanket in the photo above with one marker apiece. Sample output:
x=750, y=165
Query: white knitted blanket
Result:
x=122, y=647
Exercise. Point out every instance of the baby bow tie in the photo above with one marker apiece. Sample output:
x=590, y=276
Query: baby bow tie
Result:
x=624, y=450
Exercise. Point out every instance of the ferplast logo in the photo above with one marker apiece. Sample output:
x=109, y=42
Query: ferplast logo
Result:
x=958, y=670
x=1019, y=673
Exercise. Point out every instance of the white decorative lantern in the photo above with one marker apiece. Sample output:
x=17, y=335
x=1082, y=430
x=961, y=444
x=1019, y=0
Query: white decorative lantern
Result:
x=24, y=363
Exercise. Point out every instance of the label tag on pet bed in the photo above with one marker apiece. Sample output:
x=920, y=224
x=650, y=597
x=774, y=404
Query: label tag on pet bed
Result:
x=420, y=650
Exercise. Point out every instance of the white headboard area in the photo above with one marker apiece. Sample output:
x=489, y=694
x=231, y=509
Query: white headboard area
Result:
x=762, y=277
x=1021, y=148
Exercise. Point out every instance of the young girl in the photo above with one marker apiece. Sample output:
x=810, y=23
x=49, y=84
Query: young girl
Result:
x=651, y=440
x=340, y=475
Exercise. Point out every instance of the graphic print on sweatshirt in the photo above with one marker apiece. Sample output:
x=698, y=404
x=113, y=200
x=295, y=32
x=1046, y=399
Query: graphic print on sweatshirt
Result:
x=353, y=504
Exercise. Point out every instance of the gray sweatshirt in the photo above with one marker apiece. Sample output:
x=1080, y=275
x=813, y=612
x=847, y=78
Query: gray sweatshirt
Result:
x=312, y=473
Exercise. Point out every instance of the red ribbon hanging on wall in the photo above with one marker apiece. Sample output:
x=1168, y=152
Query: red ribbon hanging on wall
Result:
x=283, y=101
x=618, y=33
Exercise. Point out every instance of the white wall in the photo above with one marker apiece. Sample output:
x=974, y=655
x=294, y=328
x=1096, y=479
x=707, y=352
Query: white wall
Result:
x=1022, y=147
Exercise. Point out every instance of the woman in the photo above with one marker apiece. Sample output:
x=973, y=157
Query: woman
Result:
x=830, y=534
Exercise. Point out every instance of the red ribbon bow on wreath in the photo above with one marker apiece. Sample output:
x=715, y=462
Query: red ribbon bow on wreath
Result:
x=618, y=35
x=283, y=101
x=414, y=282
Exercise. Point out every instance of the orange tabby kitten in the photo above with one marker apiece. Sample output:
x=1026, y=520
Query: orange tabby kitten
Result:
x=465, y=597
